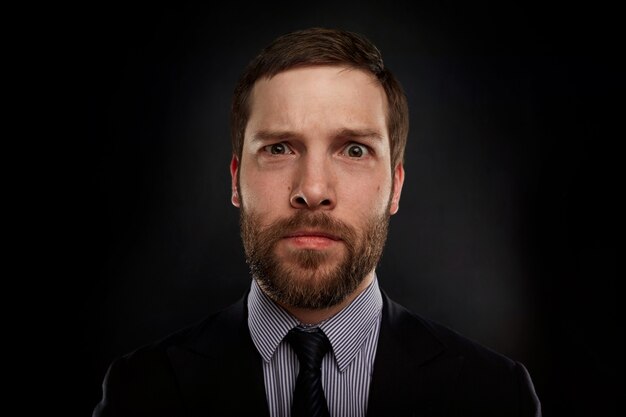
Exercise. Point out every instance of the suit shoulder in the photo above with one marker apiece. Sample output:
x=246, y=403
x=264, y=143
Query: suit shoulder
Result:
x=202, y=331
x=487, y=373
x=452, y=342
x=467, y=347
x=143, y=382
x=487, y=380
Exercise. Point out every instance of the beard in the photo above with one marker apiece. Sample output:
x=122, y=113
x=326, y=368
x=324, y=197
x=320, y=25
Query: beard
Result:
x=308, y=278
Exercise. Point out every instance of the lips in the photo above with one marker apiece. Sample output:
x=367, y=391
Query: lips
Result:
x=311, y=240
x=313, y=234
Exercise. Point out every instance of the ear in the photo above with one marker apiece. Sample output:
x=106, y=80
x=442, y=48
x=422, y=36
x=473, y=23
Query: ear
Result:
x=234, y=168
x=398, y=181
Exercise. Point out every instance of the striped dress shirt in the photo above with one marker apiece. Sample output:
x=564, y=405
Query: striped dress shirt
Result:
x=346, y=373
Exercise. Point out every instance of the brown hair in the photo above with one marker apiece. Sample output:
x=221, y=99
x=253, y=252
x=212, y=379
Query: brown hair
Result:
x=321, y=46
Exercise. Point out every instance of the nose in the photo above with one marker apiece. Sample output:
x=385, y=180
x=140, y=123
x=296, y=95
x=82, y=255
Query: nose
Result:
x=313, y=186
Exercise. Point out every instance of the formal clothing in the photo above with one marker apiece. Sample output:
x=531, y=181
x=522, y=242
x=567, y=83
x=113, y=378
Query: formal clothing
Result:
x=213, y=368
x=346, y=373
x=311, y=346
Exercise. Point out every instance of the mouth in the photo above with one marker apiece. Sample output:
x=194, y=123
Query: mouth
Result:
x=311, y=239
x=312, y=234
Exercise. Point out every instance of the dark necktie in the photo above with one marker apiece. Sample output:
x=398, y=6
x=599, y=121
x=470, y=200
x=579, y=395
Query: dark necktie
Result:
x=308, y=396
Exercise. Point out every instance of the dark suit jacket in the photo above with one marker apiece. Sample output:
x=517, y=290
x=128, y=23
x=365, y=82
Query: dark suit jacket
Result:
x=213, y=369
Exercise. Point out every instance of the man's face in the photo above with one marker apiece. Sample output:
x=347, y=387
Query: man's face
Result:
x=314, y=184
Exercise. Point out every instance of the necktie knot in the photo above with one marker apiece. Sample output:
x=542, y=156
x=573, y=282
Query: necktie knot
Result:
x=310, y=346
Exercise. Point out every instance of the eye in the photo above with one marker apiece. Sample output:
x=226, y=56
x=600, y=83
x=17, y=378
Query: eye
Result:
x=277, y=148
x=354, y=150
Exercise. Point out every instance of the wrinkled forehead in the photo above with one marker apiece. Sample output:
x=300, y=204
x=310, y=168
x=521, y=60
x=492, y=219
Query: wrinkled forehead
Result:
x=334, y=96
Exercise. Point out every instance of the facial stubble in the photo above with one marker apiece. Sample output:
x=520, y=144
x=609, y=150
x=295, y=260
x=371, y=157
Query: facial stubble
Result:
x=309, y=278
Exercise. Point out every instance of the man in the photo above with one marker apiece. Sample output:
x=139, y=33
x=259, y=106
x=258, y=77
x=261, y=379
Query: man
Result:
x=319, y=127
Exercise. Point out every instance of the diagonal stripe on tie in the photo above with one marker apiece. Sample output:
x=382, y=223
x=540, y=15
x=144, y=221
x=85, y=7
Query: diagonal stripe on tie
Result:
x=308, y=396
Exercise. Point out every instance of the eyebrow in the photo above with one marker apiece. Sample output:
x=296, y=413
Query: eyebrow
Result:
x=359, y=134
x=269, y=135
x=281, y=135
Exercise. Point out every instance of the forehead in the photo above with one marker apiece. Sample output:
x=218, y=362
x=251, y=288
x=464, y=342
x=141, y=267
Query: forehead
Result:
x=310, y=97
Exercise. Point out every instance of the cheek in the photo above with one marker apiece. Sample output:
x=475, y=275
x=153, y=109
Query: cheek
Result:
x=263, y=195
x=367, y=198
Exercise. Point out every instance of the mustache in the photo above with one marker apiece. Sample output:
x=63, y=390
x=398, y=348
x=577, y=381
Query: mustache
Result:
x=319, y=221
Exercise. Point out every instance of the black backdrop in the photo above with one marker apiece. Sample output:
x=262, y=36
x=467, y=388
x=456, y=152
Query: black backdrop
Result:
x=507, y=226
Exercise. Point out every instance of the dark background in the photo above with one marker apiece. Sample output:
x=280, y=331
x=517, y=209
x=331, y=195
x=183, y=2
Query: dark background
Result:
x=508, y=221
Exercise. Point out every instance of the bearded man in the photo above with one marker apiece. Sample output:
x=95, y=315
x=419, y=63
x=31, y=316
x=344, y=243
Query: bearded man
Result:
x=319, y=127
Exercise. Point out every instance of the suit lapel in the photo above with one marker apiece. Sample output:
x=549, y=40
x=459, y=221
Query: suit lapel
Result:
x=220, y=371
x=413, y=371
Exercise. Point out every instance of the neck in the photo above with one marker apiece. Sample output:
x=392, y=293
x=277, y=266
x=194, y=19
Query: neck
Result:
x=315, y=316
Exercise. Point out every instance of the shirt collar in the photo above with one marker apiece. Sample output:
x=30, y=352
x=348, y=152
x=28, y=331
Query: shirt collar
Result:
x=346, y=330
x=268, y=322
